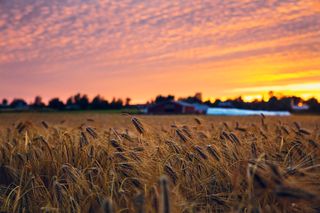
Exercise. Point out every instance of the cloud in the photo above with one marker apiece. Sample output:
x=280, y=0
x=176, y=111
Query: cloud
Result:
x=127, y=37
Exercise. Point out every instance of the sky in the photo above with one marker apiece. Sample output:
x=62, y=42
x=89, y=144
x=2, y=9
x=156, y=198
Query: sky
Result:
x=142, y=48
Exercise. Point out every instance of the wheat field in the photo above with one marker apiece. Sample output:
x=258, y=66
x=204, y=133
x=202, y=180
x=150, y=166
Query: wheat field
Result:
x=91, y=162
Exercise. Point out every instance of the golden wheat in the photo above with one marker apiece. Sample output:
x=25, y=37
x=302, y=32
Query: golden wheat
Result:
x=114, y=163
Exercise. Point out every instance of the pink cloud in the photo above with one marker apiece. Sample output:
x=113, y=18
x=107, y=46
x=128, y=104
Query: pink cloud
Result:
x=122, y=39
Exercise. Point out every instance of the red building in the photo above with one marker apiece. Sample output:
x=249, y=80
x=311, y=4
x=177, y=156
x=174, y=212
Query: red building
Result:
x=171, y=107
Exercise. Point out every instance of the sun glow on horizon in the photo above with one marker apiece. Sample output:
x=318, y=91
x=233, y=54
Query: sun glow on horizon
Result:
x=303, y=90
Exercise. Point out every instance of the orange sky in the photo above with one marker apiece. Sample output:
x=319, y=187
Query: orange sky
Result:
x=142, y=48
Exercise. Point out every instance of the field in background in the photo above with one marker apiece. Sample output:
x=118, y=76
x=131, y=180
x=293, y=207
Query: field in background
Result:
x=82, y=162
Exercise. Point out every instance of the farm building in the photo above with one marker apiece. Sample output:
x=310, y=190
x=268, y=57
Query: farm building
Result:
x=171, y=107
x=201, y=108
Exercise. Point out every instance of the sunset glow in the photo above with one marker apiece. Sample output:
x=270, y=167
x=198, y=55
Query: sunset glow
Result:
x=140, y=49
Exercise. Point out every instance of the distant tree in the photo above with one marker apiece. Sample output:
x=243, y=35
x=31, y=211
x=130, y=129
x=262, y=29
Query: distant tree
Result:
x=38, y=102
x=208, y=103
x=119, y=103
x=70, y=101
x=55, y=103
x=83, y=102
x=284, y=103
x=128, y=100
x=314, y=105
x=239, y=99
x=96, y=102
x=77, y=98
x=18, y=104
x=160, y=98
x=271, y=94
x=238, y=103
x=5, y=102
x=272, y=103
x=297, y=100
x=197, y=98
x=116, y=104
x=99, y=103
x=217, y=102
x=78, y=101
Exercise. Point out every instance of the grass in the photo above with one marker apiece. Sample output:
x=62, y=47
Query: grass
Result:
x=91, y=162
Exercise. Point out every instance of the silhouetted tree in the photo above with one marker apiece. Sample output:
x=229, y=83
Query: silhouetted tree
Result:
x=99, y=103
x=70, y=101
x=18, y=104
x=197, y=98
x=161, y=98
x=55, y=103
x=128, y=100
x=78, y=102
x=314, y=105
x=217, y=102
x=116, y=104
x=272, y=103
x=83, y=102
x=77, y=98
x=38, y=103
x=4, y=103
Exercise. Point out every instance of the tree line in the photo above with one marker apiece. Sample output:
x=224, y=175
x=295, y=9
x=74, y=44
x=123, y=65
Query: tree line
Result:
x=274, y=103
x=76, y=102
x=82, y=102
